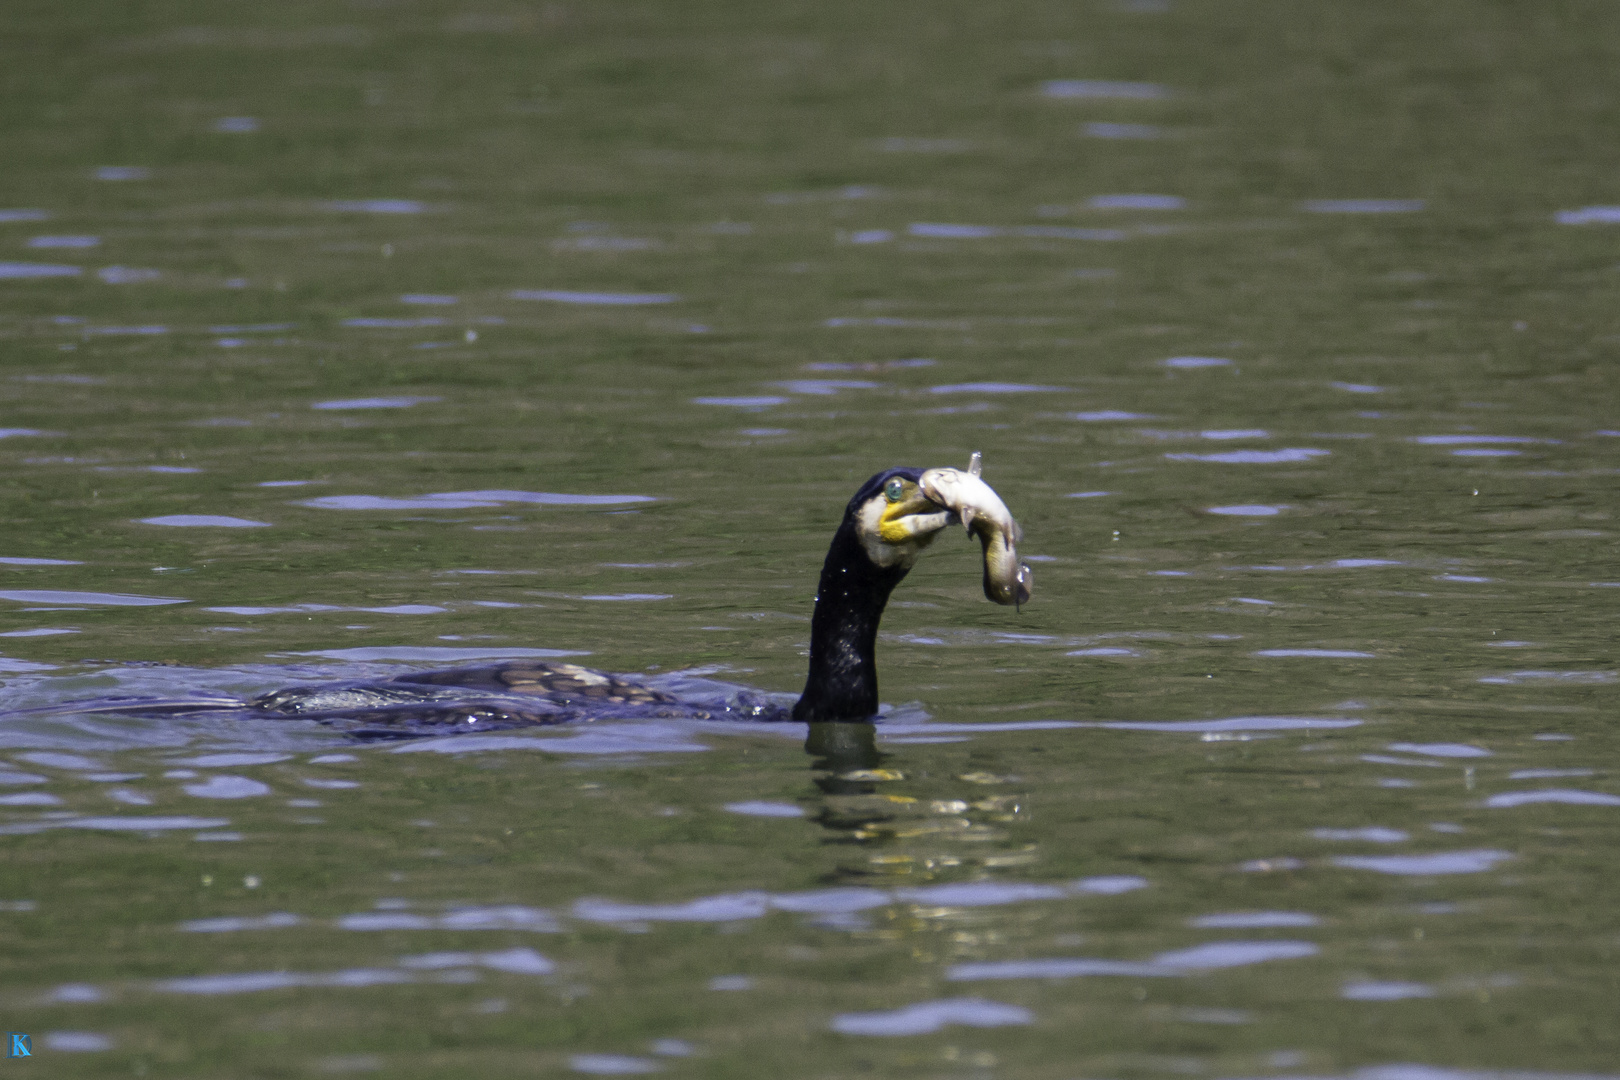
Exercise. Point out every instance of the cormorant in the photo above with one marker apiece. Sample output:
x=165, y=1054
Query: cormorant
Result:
x=886, y=526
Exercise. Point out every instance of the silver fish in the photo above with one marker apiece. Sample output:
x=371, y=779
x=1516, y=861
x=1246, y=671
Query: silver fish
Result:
x=1006, y=580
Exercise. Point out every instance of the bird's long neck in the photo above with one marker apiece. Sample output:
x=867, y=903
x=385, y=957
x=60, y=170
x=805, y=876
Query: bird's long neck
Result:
x=842, y=684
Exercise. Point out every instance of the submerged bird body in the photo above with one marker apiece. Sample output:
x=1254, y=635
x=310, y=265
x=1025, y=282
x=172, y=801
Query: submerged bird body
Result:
x=885, y=527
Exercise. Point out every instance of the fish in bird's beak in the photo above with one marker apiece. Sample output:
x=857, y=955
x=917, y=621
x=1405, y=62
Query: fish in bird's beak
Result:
x=980, y=509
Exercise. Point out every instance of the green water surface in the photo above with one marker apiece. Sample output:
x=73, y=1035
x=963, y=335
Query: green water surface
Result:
x=1277, y=455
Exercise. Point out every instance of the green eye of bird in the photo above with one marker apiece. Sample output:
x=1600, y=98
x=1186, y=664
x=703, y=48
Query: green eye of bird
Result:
x=894, y=490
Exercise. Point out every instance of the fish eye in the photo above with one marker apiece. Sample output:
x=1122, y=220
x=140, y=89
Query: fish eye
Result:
x=894, y=490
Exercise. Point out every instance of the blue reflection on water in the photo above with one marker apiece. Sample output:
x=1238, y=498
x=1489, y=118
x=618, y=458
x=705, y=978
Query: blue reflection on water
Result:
x=1323, y=654
x=1371, y=835
x=1363, y=206
x=1104, y=415
x=612, y=1064
x=761, y=808
x=1589, y=215
x=210, y=521
x=1213, y=956
x=1249, y=920
x=1254, y=457
x=1100, y=88
x=127, y=275
x=402, y=402
x=1443, y=750
x=758, y=401
x=95, y=599
x=560, y=296
x=1441, y=862
x=65, y=242
x=376, y=206
x=1384, y=991
x=1552, y=795
x=996, y=388
x=393, y=324
x=1099, y=129
x=1137, y=202
x=1240, y=723
x=930, y=1016
x=464, y=500
x=21, y=270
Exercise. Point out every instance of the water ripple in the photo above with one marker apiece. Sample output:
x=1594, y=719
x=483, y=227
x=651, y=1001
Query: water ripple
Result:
x=930, y=1016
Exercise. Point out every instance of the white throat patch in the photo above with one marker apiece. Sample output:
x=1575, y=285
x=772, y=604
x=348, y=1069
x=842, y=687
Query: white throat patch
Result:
x=882, y=552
